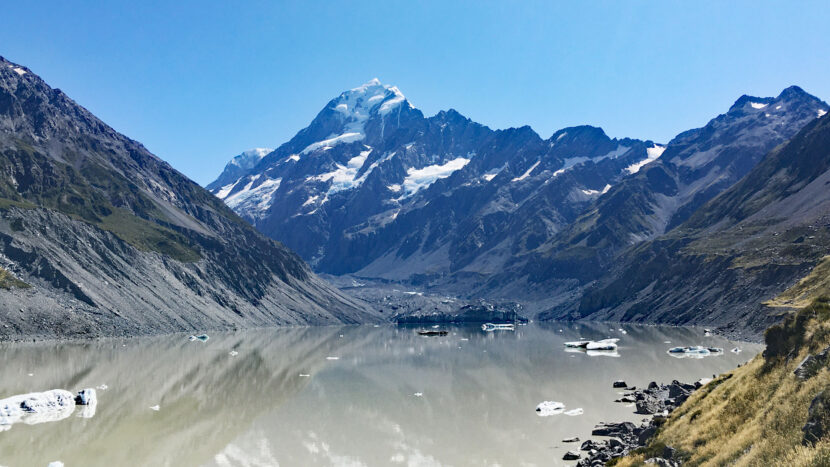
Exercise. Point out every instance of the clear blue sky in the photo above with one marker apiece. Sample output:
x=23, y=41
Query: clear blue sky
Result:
x=198, y=82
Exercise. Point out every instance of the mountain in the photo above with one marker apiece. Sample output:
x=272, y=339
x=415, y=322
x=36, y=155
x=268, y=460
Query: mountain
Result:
x=374, y=188
x=100, y=237
x=239, y=166
x=735, y=253
x=696, y=166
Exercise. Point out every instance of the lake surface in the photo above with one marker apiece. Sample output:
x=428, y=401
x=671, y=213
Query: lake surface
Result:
x=355, y=396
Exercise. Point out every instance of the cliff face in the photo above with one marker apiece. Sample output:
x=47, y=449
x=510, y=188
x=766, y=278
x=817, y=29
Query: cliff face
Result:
x=100, y=237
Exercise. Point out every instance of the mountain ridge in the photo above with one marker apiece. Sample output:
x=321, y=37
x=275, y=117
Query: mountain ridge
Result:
x=113, y=240
x=453, y=207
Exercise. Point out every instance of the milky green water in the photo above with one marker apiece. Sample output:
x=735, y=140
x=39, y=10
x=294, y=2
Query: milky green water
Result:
x=339, y=396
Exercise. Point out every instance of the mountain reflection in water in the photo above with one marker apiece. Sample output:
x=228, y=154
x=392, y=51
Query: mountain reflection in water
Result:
x=354, y=395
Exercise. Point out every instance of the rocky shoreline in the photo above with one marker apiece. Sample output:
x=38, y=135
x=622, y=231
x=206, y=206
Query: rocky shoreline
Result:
x=621, y=439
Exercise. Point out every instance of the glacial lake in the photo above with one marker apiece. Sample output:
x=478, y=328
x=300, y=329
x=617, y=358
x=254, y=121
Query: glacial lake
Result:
x=342, y=396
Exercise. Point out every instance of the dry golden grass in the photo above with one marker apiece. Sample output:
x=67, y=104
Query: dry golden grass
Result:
x=753, y=415
x=803, y=292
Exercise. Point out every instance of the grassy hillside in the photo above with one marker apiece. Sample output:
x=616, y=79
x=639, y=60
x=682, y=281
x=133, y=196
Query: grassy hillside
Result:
x=754, y=415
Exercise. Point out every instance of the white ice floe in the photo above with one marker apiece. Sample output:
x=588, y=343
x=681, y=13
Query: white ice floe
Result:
x=490, y=327
x=332, y=358
x=418, y=394
x=156, y=408
x=574, y=412
x=233, y=353
x=36, y=407
x=604, y=344
x=696, y=351
x=548, y=408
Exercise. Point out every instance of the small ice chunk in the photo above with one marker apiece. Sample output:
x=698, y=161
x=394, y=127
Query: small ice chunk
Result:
x=332, y=358
x=574, y=412
x=304, y=375
x=156, y=408
x=418, y=394
x=548, y=408
x=233, y=353
x=86, y=397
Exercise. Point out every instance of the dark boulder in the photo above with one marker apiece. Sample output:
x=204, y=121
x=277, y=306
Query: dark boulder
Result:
x=590, y=445
x=649, y=405
x=646, y=435
x=818, y=419
x=613, y=429
x=812, y=364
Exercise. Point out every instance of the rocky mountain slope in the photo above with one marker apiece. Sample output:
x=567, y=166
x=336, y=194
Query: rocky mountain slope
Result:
x=739, y=250
x=100, y=237
x=374, y=188
x=775, y=410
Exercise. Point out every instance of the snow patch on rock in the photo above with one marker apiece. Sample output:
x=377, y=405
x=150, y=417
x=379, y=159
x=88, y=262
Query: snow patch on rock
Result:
x=652, y=154
x=527, y=172
x=417, y=179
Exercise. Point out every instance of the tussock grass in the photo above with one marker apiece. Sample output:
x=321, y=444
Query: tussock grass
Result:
x=802, y=294
x=753, y=415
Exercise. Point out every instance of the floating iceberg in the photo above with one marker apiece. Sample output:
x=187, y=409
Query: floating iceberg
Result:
x=604, y=344
x=548, y=408
x=696, y=351
x=48, y=406
x=489, y=327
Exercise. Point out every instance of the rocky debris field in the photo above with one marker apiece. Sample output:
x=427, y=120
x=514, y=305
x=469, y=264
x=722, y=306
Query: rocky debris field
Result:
x=620, y=439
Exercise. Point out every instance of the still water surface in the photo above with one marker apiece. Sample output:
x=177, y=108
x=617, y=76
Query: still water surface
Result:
x=343, y=396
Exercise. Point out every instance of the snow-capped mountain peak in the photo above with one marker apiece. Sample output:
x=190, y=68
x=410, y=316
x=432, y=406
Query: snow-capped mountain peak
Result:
x=238, y=166
x=248, y=159
x=373, y=97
